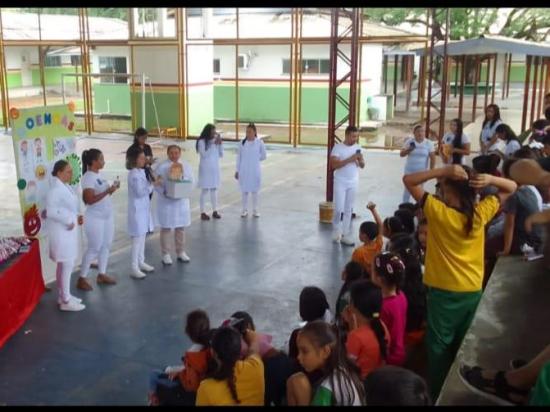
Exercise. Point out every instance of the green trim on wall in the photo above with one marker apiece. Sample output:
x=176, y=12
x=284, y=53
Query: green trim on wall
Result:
x=52, y=75
x=118, y=96
x=167, y=104
x=14, y=79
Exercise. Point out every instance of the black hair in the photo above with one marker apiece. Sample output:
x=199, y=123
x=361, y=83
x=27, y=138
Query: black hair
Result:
x=59, y=166
x=140, y=131
x=546, y=138
x=414, y=289
x=205, y=135
x=197, y=327
x=354, y=271
x=457, y=141
x=495, y=118
x=369, y=229
x=253, y=127
x=226, y=344
x=391, y=269
x=466, y=195
x=88, y=157
x=366, y=297
x=393, y=225
x=313, y=303
x=351, y=129
x=416, y=127
x=547, y=113
x=396, y=386
x=540, y=124
x=411, y=207
x=342, y=373
x=132, y=155
x=525, y=152
x=509, y=134
x=407, y=219
x=247, y=323
x=487, y=164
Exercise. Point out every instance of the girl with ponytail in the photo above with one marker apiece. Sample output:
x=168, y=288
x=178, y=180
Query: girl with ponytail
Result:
x=388, y=273
x=233, y=381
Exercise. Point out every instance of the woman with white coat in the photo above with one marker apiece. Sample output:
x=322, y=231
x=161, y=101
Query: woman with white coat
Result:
x=249, y=174
x=210, y=148
x=139, y=209
x=99, y=220
x=172, y=213
x=62, y=212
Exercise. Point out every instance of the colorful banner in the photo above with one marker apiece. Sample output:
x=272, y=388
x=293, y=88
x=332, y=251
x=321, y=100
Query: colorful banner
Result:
x=41, y=136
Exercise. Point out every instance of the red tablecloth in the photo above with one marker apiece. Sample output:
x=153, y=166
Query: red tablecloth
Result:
x=21, y=285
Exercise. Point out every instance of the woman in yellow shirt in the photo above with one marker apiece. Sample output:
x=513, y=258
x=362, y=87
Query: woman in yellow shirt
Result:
x=234, y=381
x=454, y=256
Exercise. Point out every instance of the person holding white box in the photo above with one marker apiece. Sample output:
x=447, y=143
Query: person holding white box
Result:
x=62, y=212
x=99, y=220
x=249, y=173
x=139, y=209
x=210, y=148
x=173, y=210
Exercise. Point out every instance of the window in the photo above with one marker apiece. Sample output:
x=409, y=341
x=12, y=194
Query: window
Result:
x=113, y=65
x=216, y=66
x=75, y=60
x=242, y=61
x=310, y=66
x=52, y=61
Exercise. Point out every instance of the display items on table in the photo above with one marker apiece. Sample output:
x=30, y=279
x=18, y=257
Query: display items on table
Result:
x=10, y=246
x=177, y=187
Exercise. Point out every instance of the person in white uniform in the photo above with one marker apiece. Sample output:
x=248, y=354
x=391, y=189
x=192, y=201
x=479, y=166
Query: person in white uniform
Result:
x=249, y=174
x=62, y=213
x=99, y=220
x=139, y=209
x=345, y=159
x=507, y=135
x=210, y=148
x=455, y=145
x=490, y=123
x=420, y=154
x=172, y=213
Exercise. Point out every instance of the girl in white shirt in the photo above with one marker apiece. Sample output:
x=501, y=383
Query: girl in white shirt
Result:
x=210, y=147
x=507, y=135
x=99, y=221
x=455, y=145
x=490, y=123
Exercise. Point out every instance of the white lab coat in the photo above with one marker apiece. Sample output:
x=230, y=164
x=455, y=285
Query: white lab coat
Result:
x=139, y=204
x=248, y=164
x=209, y=165
x=172, y=213
x=62, y=209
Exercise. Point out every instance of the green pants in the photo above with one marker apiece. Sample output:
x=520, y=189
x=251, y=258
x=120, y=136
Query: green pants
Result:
x=541, y=393
x=449, y=317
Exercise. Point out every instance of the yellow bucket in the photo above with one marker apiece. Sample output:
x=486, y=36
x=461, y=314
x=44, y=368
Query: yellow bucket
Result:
x=326, y=211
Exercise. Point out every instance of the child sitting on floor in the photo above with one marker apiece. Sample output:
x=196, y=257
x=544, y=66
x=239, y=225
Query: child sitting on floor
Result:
x=177, y=385
x=370, y=233
x=352, y=272
x=395, y=386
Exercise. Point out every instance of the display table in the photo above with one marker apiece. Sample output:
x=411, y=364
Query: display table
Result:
x=21, y=285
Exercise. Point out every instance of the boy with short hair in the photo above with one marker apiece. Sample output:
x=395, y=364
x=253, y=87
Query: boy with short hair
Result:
x=370, y=233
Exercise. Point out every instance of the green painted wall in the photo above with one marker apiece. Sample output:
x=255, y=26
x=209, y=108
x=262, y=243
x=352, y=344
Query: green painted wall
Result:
x=14, y=79
x=201, y=108
x=52, y=75
x=118, y=96
x=167, y=108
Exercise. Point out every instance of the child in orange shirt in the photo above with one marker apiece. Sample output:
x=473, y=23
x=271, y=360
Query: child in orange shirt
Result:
x=370, y=234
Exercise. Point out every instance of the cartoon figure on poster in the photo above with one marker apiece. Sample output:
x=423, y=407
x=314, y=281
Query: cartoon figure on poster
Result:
x=25, y=159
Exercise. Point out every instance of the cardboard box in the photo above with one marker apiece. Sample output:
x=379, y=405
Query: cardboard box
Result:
x=179, y=189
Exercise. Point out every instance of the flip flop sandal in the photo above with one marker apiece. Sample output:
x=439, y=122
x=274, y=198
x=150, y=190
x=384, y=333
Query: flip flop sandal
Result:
x=497, y=389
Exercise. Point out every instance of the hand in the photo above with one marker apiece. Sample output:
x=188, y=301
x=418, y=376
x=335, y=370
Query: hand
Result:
x=112, y=189
x=456, y=172
x=80, y=220
x=71, y=226
x=218, y=140
x=172, y=375
x=237, y=175
x=502, y=253
x=158, y=181
x=250, y=336
x=371, y=206
x=480, y=181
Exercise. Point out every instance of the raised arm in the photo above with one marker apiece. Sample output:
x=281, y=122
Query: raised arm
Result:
x=505, y=186
x=372, y=207
x=414, y=181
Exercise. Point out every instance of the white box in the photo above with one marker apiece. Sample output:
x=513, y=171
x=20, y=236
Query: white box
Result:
x=179, y=189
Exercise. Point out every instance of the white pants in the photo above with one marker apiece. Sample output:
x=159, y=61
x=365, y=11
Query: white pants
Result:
x=138, y=251
x=255, y=199
x=344, y=197
x=99, y=233
x=213, y=199
x=63, y=278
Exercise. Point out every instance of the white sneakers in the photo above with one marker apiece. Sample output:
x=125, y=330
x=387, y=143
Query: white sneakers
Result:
x=137, y=274
x=256, y=213
x=145, y=267
x=347, y=241
x=244, y=213
x=337, y=237
x=183, y=257
x=167, y=259
x=72, y=306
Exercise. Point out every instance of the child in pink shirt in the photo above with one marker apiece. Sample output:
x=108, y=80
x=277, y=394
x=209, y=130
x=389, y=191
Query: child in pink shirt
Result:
x=388, y=272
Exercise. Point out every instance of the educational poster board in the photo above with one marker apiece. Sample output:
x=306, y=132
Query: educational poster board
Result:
x=41, y=136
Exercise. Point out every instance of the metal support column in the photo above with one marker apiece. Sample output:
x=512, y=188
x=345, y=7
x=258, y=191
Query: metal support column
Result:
x=528, y=59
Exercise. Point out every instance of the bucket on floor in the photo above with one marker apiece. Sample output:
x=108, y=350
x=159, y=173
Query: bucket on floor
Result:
x=326, y=211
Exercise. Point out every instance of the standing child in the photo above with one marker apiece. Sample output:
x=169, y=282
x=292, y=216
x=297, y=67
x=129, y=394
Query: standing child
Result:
x=388, y=272
x=249, y=173
x=370, y=234
x=455, y=145
x=368, y=338
x=339, y=383
x=210, y=147
x=173, y=213
x=178, y=385
x=139, y=209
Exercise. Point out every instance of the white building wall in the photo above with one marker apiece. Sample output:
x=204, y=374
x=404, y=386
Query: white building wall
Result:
x=109, y=51
x=160, y=63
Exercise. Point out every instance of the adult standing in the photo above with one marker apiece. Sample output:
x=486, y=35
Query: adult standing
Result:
x=62, y=211
x=249, y=173
x=455, y=144
x=490, y=123
x=345, y=159
x=210, y=148
x=172, y=213
x=420, y=154
x=99, y=220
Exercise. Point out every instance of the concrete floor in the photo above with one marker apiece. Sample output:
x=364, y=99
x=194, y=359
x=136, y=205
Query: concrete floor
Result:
x=103, y=355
